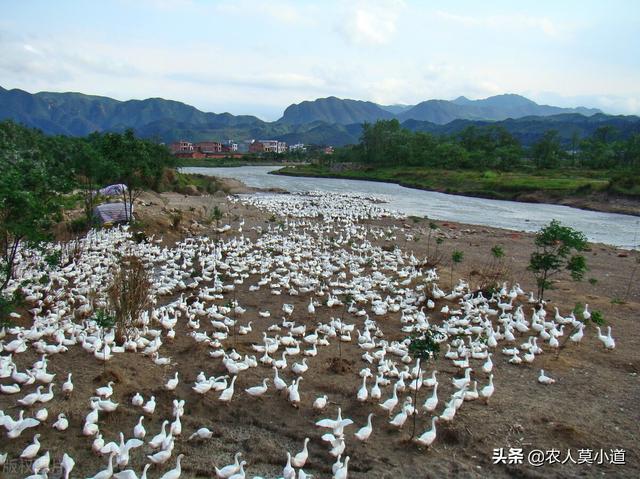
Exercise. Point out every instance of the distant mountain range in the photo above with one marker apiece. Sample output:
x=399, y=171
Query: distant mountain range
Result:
x=323, y=121
x=495, y=108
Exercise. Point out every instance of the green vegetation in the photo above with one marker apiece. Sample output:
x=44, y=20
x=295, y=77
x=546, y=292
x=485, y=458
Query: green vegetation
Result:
x=506, y=185
x=229, y=162
x=486, y=162
x=40, y=173
x=556, y=250
x=423, y=346
x=456, y=258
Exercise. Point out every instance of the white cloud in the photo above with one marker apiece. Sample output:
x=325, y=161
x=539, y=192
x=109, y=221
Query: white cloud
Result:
x=512, y=22
x=279, y=10
x=371, y=23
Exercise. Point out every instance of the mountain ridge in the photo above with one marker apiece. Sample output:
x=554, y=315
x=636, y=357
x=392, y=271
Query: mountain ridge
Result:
x=79, y=114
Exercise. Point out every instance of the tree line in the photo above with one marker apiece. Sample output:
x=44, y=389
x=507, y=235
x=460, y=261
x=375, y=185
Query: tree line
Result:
x=386, y=143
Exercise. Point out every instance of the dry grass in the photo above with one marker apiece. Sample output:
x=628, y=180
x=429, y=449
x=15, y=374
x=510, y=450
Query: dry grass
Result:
x=128, y=294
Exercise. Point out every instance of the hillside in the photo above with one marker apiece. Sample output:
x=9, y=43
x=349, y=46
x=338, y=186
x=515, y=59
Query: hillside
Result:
x=530, y=129
x=323, y=121
x=494, y=108
x=334, y=110
x=76, y=114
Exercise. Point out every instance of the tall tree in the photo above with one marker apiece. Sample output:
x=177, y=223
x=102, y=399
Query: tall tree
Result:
x=547, y=152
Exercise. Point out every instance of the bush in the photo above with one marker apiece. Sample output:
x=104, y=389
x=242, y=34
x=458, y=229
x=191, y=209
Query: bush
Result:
x=128, y=294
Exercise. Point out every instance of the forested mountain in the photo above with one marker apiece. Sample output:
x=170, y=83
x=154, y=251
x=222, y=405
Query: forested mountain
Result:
x=334, y=110
x=324, y=121
x=494, y=108
x=77, y=114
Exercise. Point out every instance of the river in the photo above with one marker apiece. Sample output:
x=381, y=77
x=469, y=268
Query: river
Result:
x=609, y=228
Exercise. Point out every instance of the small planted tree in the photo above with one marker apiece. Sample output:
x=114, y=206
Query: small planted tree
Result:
x=557, y=249
x=456, y=258
x=216, y=215
x=432, y=228
x=105, y=321
x=423, y=346
x=348, y=298
x=494, y=270
x=436, y=258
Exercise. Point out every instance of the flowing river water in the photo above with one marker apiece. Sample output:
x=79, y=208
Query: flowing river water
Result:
x=609, y=228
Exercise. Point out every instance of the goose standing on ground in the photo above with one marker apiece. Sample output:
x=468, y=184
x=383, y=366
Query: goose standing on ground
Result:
x=174, y=473
x=431, y=402
x=392, y=402
x=320, y=403
x=363, y=393
x=607, y=340
x=172, y=383
x=487, y=391
x=240, y=474
x=105, y=392
x=227, y=394
x=32, y=449
x=257, y=391
x=130, y=473
x=67, y=386
x=227, y=471
x=150, y=406
x=67, y=464
x=288, y=472
x=364, y=432
x=41, y=463
x=343, y=471
x=300, y=459
x=202, y=433
x=427, y=438
x=108, y=472
x=139, y=431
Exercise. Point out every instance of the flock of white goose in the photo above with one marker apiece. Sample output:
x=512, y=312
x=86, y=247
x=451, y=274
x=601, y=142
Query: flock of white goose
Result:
x=321, y=253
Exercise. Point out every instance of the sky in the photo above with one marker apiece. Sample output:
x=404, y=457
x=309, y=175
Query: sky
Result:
x=258, y=57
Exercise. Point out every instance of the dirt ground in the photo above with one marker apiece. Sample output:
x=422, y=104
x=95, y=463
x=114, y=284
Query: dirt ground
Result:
x=593, y=405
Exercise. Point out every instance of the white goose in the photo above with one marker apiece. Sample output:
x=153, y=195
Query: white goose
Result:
x=392, y=402
x=139, y=431
x=364, y=432
x=363, y=393
x=202, y=433
x=320, y=403
x=32, y=449
x=544, y=379
x=427, y=437
x=175, y=472
x=172, y=383
x=300, y=459
x=487, y=391
x=62, y=423
x=607, y=340
x=258, y=390
x=227, y=471
x=227, y=394
x=67, y=386
x=431, y=402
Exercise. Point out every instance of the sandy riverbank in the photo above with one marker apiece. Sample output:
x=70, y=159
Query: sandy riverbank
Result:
x=593, y=404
